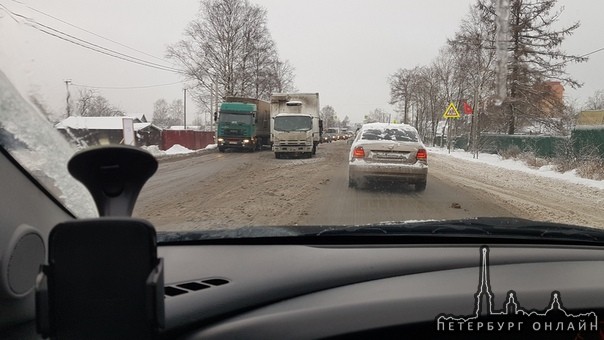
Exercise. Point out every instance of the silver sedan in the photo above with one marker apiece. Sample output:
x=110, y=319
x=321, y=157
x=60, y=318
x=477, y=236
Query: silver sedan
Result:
x=388, y=152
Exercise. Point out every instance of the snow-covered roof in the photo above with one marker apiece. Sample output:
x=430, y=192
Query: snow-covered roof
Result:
x=140, y=126
x=140, y=116
x=182, y=127
x=96, y=123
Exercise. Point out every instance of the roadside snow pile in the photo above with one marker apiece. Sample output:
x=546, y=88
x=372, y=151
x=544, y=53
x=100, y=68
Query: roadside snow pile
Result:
x=512, y=164
x=177, y=149
x=153, y=149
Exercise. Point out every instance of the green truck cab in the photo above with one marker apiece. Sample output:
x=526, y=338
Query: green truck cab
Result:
x=243, y=123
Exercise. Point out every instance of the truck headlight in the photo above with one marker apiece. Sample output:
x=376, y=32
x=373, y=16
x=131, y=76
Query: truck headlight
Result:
x=245, y=141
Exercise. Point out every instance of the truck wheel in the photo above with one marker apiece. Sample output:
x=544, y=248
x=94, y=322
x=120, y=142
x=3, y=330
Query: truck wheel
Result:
x=221, y=149
x=277, y=155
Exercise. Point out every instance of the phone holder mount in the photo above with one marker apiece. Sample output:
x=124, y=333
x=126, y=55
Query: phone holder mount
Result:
x=114, y=176
x=103, y=279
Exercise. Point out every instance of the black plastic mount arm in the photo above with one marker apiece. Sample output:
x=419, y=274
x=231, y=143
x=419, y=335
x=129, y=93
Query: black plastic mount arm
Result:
x=114, y=175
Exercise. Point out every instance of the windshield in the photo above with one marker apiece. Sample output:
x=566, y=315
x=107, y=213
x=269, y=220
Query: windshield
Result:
x=432, y=110
x=233, y=118
x=293, y=123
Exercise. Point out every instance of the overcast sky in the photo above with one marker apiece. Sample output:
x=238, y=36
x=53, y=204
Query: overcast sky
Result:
x=343, y=49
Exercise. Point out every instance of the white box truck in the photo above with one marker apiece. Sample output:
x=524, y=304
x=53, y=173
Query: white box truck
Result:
x=295, y=125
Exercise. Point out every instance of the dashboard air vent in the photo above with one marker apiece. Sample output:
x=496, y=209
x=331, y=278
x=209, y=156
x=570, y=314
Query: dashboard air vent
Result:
x=192, y=286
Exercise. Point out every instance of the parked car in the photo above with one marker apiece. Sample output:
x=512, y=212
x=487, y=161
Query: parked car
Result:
x=390, y=152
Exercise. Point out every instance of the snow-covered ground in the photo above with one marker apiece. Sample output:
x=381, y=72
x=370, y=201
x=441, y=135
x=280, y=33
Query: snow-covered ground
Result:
x=512, y=164
x=537, y=194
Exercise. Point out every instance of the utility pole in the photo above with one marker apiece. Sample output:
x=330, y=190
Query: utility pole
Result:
x=67, y=82
x=185, y=108
x=216, y=97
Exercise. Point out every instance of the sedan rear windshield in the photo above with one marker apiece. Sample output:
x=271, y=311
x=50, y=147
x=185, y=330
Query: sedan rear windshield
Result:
x=394, y=134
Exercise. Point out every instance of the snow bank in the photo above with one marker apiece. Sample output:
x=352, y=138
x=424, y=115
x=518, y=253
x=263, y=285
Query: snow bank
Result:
x=177, y=149
x=512, y=164
x=153, y=149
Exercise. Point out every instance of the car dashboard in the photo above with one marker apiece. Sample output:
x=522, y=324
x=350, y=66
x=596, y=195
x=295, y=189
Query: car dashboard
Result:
x=310, y=292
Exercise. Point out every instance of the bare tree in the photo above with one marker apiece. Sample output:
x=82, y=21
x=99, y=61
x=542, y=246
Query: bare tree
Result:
x=429, y=101
x=401, y=90
x=84, y=103
x=228, y=51
x=161, y=115
x=376, y=116
x=535, y=58
x=91, y=104
x=474, y=48
x=166, y=115
x=176, y=112
x=345, y=122
x=595, y=102
x=282, y=77
x=329, y=116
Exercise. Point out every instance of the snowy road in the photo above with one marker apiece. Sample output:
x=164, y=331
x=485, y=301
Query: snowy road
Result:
x=249, y=189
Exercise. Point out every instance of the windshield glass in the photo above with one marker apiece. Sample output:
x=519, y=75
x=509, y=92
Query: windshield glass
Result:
x=505, y=105
x=235, y=118
x=31, y=139
x=292, y=123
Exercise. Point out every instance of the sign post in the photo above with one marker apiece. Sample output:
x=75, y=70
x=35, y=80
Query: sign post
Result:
x=450, y=112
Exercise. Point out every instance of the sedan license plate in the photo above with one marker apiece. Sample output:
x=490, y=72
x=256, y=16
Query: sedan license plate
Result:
x=390, y=155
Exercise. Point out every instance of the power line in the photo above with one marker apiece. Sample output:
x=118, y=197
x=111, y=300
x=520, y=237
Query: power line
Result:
x=106, y=53
x=592, y=52
x=106, y=49
x=83, y=43
x=10, y=13
x=126, y=87
x=88, y=31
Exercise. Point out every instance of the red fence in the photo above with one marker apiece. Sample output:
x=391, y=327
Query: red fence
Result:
x=190, y=139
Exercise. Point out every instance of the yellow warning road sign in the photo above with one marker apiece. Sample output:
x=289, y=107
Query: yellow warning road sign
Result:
x=451, y=112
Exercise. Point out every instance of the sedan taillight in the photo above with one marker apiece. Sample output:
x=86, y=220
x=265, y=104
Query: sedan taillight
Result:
x=358, y=152
x=422, y=155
